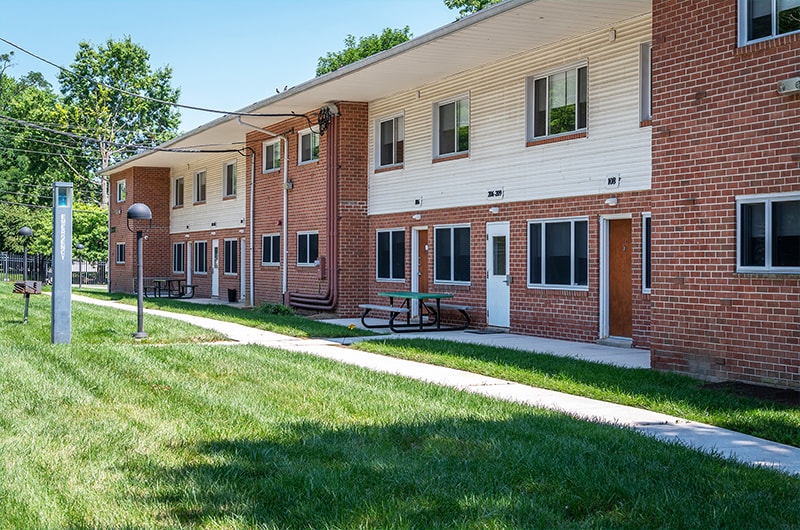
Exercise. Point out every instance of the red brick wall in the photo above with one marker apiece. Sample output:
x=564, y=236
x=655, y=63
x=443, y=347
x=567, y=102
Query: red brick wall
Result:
x=553, y=313
x=149, y=186
x=720, y=130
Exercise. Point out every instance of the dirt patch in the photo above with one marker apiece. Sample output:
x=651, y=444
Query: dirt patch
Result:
x=777, y=395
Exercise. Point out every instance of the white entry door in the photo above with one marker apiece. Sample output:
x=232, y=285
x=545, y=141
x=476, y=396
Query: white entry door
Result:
x=215, y=268
x=498, y=279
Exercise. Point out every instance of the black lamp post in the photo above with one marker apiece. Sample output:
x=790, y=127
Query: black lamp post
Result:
x=139, y=212
x=78, y=249
x=26, y=233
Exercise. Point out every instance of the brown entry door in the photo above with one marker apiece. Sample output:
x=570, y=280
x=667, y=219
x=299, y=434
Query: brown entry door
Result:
x=620, y=284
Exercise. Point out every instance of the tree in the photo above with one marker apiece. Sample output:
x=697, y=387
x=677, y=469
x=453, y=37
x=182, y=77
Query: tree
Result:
x=366, y=46
x=120, y=123
x=468, y=7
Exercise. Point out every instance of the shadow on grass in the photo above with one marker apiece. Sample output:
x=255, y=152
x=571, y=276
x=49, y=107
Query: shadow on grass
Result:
x=673, y=394
x=529, y=471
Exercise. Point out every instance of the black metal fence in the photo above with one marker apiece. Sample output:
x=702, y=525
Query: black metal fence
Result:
x=40, y=268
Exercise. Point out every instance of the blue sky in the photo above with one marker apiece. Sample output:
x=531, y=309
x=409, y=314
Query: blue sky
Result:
x=224, y=54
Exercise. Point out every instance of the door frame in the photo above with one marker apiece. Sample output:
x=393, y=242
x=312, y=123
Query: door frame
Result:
x=215, y=268
x=604, y=268
x=489, y=247
x=415, y=231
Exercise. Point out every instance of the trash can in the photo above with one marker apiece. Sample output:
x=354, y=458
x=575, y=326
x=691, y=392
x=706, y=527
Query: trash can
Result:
x=231, y=295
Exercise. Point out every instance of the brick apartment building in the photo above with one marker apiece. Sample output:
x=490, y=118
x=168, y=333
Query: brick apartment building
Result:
x=599, y=179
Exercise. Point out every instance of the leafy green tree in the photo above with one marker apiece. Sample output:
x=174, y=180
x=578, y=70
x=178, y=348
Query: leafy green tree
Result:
x=364, y=47
x=117, y=119
x=468, y=7
x=90, y=229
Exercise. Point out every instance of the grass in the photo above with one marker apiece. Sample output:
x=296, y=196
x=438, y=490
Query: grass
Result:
x=673, y=394
x=109, y=433
x=291, y=325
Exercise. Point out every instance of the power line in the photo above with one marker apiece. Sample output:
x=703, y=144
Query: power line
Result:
x=156, y=100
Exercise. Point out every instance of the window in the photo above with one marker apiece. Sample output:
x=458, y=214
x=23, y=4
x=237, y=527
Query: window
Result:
x=271, y=249
x=308, y=146
x=559, y=103
x=122, y=190
x=177, y=190
x=271, y=156
x=200, y=257
x=229, y=179
x=391, y=254
x=390, y=142
x=451, y=246
x=768, y=234
x=200, y=186
x=120, y=253
x=645, y=82
x=231, y=265
x=767, y=19
x=558, y=253
x=179, y=257
x=646, y=249
x=451, y=120
x=307, y=248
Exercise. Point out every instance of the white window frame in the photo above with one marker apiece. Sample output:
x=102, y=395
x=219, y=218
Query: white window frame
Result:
x=197, y=185
x=572, y=286
x=313, y=132
x=230, y=256
x=229, y=179
x=182, y=253
x=267, y=242
x=452, y=228
x=744, y=22
x=122, y=190
x=120, y=253
x=645, y=81
x=437, y=148
x=308, y=262
x=647, y=256
x=768, y=200
x=175, y=196
x=531, y=102
x=276, y=150
x=392, y=277
x=398, y=141
x=196, y=261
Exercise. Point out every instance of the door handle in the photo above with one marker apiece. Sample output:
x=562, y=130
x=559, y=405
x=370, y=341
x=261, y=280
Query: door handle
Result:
x=509, y=279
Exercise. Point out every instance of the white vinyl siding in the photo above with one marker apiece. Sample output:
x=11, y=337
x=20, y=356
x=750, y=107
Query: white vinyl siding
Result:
x=498, y=155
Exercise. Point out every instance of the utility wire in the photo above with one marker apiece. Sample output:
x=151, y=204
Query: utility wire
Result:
x=156, y=100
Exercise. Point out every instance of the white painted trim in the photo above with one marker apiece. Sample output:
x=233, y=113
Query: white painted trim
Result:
x=604, y=295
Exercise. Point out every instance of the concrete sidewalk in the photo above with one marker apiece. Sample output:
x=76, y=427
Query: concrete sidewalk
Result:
x=744, y=448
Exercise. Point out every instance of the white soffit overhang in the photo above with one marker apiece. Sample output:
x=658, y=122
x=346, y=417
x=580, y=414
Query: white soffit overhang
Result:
x=501, y=31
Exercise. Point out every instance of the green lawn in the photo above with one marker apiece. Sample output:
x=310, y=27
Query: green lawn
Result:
x=109, y=433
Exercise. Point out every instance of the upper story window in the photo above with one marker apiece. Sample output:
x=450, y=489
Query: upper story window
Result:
x=271, y=156
x=200, y=186
x=452, y=254
x=391, y=255
x=558, y=253
x=308, y=146
x=558, y=103
x=390, y=142
x=767, y=19
x=768, y=233
x=451, y=124
x=122, y=191
x=645, y=82
x=307, y=248
x=177, y=192
x=229, y=179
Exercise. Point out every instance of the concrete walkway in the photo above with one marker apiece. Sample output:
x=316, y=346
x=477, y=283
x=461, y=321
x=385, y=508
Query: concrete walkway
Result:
x=744, y=448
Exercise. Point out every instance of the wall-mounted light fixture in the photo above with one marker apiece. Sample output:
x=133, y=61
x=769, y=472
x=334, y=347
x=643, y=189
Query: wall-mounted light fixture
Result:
x=494, y=210
x=416, y=217
x=611, y=201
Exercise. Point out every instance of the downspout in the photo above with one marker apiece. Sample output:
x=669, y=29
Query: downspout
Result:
x=330, y=299
x=284, y=265
x=251, y=221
